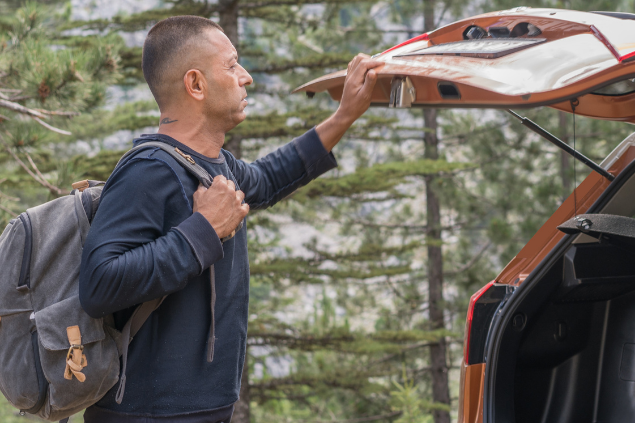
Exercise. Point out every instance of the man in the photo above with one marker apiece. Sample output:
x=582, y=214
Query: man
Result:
x=157, y=232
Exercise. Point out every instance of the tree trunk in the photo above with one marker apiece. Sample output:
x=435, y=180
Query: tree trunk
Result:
x=241, y=408
x=233, y=145
x=228, y=15
x=565, y=158
x=438, y=365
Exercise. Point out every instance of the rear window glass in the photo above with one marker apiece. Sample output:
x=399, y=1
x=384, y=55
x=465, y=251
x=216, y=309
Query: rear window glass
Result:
x=624, y=87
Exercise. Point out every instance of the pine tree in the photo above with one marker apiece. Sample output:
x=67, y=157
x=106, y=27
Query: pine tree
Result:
x=47, y=85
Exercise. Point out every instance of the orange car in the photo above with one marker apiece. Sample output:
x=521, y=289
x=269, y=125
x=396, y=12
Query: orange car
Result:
x=552, y=338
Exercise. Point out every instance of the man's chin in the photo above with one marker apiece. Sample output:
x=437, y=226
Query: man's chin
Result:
x=235, y=120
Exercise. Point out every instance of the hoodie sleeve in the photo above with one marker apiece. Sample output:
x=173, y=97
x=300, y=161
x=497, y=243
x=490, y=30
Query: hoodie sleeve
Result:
x=273, y=177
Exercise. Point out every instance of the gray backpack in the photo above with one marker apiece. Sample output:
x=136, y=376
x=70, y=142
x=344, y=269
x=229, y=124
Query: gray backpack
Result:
x=56, y=360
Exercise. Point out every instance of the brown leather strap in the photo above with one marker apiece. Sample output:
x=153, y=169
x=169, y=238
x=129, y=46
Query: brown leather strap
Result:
x=75, y=359
x=212, y=327
x=130, y=329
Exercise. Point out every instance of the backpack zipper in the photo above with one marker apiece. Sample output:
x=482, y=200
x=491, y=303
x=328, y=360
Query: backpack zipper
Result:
x=25, y=269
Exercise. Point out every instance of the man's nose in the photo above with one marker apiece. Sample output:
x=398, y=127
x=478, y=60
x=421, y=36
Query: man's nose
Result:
x=245, y=78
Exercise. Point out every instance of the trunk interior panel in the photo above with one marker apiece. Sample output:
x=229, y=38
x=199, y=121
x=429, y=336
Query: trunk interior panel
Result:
x=576, y=356
x=573, y=359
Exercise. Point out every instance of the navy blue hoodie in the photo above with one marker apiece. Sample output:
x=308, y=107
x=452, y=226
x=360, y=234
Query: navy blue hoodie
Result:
x=145, y=243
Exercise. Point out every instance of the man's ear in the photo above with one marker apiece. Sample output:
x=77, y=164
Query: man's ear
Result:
x=195, y=84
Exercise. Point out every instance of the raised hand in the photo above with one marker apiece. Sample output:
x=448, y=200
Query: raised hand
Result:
x=358, y=88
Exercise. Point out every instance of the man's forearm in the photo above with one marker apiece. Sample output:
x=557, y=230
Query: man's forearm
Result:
x=332, y=129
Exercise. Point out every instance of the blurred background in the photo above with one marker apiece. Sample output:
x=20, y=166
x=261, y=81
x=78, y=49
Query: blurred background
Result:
x=360, y=281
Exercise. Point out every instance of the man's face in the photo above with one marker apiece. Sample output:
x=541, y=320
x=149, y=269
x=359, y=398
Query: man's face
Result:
x=225, y=99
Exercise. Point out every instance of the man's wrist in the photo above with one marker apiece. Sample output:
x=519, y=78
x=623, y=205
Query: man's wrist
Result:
x=344, y=118
x=332, y=129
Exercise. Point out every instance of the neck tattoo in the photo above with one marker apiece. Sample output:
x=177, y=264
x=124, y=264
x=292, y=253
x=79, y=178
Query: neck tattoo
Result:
x=167, y=120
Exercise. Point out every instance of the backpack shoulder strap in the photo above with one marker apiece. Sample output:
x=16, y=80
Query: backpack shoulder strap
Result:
x=184, y=160
x=130, y=329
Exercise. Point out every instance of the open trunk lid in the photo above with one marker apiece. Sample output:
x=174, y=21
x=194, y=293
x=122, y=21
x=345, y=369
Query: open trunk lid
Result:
x=517, y=58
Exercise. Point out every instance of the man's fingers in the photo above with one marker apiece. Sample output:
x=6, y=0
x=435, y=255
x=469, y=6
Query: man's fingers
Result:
x=369, y=82
x=244, y=208
x=219, y=179
x=353, y=63
x=360, y=65
x=231, y=185
x=240, y=196
x=201, y=189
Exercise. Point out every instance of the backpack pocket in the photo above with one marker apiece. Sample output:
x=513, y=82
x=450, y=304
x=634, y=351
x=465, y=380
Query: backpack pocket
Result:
x=79, y=358
x=15, y=254
x=19, y=379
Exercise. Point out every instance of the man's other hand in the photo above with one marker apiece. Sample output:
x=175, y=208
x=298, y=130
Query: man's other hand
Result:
x=221, y=205
x=358, y=89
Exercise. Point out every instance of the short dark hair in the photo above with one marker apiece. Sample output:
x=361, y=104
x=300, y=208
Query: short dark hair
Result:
x=163, y=43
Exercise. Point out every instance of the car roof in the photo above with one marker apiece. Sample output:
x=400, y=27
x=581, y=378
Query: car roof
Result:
x=527, y=58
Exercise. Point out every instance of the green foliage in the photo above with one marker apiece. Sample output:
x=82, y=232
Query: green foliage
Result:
x=9, y=414
x=378, y=178
x=43, y=78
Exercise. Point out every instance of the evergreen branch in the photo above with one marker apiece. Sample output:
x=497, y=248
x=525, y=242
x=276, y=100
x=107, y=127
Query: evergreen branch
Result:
x=22, y=98
x=389, y=416
x=423, y=228
x=42, y=181
x=347, y=343
x=57, y=112
x=399, y=354
x=263, y=397
x=274, y=3
x=291, y=340
x=329, y=380
x=37, y=171
x=446, y=6
x=429, y=368
x=268, y=3
x=3, y=208
x=8, y=197
x=20, y=109
x=377, y=178
x=50, y=127
x=472, y=261
x=395, y=290
x=311, y=62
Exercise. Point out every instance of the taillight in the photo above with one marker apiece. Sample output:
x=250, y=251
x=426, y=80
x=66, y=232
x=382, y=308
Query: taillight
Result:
x=470, y=317
x=481, y=312
x=421, y=37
